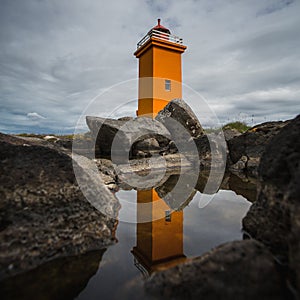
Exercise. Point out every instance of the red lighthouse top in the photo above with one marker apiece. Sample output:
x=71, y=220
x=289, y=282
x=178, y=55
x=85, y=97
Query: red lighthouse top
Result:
x=160, y=27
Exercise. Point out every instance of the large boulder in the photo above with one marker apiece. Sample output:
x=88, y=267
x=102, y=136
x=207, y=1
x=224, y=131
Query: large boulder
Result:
x=245, y=150
x=236, y=270
x=44, y=214
x=180, y=120
x=274, y=218
x=124, y=133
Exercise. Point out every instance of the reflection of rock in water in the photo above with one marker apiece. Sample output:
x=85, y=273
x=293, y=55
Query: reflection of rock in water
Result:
x=244, y=186
x=176, y=199
x=202, y=181
x=63, y=278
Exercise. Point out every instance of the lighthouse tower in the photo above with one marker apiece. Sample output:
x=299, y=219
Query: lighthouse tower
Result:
x=160, y=79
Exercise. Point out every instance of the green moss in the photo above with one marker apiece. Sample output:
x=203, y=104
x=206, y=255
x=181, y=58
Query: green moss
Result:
x=239, y=126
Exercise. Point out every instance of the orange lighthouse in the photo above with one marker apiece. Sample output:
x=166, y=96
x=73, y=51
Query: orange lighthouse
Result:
x=160, y=79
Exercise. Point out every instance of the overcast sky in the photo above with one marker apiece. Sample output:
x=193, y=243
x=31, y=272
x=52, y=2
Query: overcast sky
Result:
x=243, y=57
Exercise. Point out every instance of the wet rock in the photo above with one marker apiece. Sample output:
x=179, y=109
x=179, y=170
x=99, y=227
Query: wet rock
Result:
x=185, y=124
x=235, y=270
x=124, y=134
x=44, y=214
x=274, y=218
x=245, y=150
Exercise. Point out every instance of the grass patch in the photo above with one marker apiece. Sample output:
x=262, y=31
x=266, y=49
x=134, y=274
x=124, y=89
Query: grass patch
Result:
x=239, y=126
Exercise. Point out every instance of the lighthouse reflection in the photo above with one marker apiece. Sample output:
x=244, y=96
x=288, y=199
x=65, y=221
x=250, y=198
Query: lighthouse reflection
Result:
x=159, y=242
x=160, y=216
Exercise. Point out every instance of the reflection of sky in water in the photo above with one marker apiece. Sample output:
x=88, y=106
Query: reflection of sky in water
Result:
x=216, y=223
x=204, y=228
x=128, y=204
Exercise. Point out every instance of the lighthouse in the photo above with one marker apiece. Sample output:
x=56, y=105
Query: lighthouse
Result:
x=160, y=72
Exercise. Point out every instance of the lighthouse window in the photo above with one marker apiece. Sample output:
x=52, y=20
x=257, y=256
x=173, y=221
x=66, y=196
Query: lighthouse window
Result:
x=168, y=216
x=168, y=85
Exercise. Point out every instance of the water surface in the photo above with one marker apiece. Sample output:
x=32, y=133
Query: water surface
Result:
x=122, y=272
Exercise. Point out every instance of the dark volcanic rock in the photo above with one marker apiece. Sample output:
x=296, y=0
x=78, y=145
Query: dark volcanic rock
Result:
x=44, y=214
x=274, y=218
x=124, y=134
x=246, y=150
x=236, y=270
x=184, y=118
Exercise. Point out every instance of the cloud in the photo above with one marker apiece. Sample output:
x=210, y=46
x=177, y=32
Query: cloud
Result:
x=56, y=56
x=35, y=116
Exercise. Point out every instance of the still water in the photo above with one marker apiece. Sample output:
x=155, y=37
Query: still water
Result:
x=120, y=270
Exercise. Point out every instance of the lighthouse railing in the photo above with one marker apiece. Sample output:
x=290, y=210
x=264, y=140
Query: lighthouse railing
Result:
x=159, y=35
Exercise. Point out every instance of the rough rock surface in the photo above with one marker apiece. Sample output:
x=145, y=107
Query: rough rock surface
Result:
x=184, y=118
x=274, y=218
x=124, y=133
x=235, y=270
x=44, y=214
x=107, y=173
x=246, y=149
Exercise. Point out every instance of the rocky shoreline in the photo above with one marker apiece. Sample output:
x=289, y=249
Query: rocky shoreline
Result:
x=45, y=216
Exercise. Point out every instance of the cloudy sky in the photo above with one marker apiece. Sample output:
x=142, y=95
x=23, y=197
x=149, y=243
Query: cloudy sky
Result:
x=56, y=56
